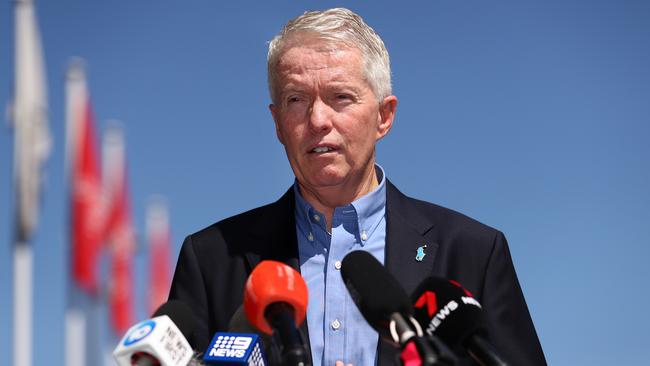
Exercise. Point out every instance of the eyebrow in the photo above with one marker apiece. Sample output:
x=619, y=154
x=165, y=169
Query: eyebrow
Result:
x=297, y=87
x=291, y=88
x=344, y=85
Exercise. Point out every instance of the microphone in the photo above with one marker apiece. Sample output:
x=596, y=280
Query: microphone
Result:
x=453, y=314
x=240, y=324
x=159, y=341
x=275, y=302
x=387, y=308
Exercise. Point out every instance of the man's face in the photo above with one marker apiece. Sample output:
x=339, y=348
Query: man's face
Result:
x=327, y=116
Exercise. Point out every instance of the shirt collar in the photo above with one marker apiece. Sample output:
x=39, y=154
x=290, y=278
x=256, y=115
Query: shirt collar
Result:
x=305, y=214
x=370, y=209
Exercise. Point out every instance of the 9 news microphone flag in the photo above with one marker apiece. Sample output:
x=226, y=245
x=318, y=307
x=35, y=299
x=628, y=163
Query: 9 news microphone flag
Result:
x=31, y=150
x=119, y=231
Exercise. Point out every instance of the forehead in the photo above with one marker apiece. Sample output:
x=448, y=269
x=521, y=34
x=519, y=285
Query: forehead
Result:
x=320, y=58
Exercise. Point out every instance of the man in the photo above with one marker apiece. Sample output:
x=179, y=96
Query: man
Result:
x=329, y=79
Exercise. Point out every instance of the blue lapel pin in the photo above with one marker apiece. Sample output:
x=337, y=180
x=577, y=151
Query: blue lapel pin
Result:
x=419, y=256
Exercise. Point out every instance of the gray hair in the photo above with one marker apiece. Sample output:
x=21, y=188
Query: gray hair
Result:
x=336, y=25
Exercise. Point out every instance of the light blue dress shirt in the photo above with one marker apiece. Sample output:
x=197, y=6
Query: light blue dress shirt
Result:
x=337, y=330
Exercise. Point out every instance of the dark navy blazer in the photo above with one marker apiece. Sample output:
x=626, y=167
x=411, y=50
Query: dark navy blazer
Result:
x=215, y=262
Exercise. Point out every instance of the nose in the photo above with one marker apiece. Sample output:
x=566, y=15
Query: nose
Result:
x=320, y=116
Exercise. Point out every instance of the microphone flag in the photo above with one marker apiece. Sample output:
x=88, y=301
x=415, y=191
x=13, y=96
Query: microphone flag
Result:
x=235, y=349
x=154, y=339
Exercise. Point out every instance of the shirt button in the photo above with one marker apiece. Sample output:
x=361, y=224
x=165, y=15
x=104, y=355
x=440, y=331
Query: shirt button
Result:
x=317, y=218
x=310, y=237
x=337, y=264
x=336, y=324
x=364, y=236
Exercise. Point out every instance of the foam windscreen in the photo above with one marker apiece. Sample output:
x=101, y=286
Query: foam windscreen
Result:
x=446, y=309
x=274, y=282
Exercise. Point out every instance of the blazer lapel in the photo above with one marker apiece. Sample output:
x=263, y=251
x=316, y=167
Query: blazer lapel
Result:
x=278, y=242
x=275, y=234
x=406, y=232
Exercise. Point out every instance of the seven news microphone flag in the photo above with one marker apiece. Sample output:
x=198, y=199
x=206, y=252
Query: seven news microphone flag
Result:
x=119, y=231
x=159, y=253
x=32, y=146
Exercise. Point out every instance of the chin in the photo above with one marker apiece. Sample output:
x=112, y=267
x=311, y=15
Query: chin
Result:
x=327, y=177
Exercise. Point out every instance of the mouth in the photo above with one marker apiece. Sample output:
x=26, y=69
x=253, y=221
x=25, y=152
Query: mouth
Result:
x=322, y=149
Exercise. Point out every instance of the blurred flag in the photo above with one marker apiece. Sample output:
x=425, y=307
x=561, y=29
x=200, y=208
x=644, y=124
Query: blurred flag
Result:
x=159, y=253
x=32, y=148
x=84, y=175
x=29, y=117
x=119, y=231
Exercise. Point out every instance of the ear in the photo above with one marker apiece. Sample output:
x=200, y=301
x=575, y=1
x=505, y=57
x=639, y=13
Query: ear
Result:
x=387, y=109
x=276, y=118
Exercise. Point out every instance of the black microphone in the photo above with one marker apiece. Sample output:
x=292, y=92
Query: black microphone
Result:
x=240, y=324
x=161, y=340
x=387, y=308
x=448, y=310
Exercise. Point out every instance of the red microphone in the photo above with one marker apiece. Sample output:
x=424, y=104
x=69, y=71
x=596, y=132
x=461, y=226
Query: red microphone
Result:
x=275, y=302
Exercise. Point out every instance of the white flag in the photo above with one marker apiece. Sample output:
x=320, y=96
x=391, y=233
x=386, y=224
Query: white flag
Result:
x=29, y=117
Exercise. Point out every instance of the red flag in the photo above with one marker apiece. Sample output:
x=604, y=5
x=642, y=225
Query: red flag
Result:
x=122, y=241
x=120, y=233
x=159, y=254
x=86, y=209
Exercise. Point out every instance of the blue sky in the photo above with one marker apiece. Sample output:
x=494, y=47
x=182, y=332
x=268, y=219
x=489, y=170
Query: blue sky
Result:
x=530, y=116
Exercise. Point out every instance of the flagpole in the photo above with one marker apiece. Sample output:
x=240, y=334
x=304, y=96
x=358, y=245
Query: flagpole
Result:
x=23, y=267
x=75, y=315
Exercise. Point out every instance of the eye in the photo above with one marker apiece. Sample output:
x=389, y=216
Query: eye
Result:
x=343, y=97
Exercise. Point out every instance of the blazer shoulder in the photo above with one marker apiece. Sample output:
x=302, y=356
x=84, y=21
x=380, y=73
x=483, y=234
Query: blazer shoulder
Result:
x=252, y=224
x=452, y=218
x=426, y=215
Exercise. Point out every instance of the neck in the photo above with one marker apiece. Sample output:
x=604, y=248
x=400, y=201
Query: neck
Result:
x=326, y=199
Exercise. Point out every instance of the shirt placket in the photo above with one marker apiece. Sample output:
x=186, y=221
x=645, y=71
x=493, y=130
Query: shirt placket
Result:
x=335, y=292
